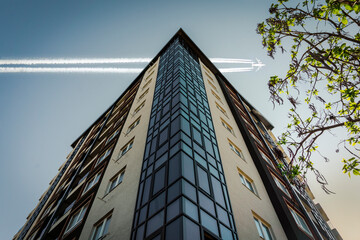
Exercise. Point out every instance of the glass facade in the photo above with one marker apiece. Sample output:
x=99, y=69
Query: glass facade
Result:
x=182, y=192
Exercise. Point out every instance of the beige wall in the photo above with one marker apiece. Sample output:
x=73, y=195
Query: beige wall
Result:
x=243, y=201
x=122, y=199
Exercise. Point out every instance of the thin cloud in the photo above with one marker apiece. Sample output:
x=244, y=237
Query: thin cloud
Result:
x=231, y=60
x=61, y=61
x=5, y=65
x=68, y=70
x=94, y=70
x=234, y=70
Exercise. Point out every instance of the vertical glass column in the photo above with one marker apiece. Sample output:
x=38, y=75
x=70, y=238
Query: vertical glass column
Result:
x=182, y=192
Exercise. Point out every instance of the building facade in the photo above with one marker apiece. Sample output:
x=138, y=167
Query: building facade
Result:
x=179, y=155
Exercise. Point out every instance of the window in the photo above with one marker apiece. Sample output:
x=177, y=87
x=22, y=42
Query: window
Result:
x=126, y=148
x=247, y=181
x=116, y=180
x=212, y=85
x=143, y=95
x=76, y=218
x=133, y=125
x=32, y=237
x=101, y=229
x=236, y=149
x=266, y=158
x=281, y=185
x=47, y=210
x=263, y=228
x=227, y=126
x=215, y=95
x=300, y=221
x=209, y=76
x=147, y=84
x=103, y=156
x=221, y=109
x=139, y=107
x=149, y=76
x=92, y=182
x=256, y=138
x=112, y=136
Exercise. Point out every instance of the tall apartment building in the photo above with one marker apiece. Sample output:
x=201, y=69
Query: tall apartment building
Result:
x=179, y=155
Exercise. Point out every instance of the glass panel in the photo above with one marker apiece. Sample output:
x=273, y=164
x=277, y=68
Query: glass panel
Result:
x=174, y=191
x=200, y=160
x=222, y=215
x=266, y=232
x=203, y=179
x=157, y=204
x=188, y=168
x=209, y=222
x=258, y=228
x=142, y=216
x=140, y=233
x=159, y=180
x=146, y=190
x=173, y=230
x=154, y=223
x=189, y=190
x=206, y=203
x=190, y=209
x=197, y=136
x=174, y=168
x=191, y=230
x=218, y=194
x=106, y=227
x=226, y=234
x=173, y=210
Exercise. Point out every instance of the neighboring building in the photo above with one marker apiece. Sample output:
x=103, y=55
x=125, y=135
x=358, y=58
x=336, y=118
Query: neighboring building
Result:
x=179, y=155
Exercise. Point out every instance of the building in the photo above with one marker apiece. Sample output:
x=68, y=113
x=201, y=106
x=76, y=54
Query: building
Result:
x=179, y=155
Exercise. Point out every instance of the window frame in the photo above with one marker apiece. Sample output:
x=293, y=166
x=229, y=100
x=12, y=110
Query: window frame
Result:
x=79, y=213
x=247, y=182
x=222, y=110
x=133, y=125
x=126, y=147
x=139, y=107
x=91, y=182
x=104, y=156
x=227, y=126
x=236, y=150
x=212, y=85
x=102, y=224
x=119, y=177
x=143, y=94
x=146, y=84
x=281, y=185
x=216, y=96
x=260, y=222
x=112, y=136
x=300, y=223
x=266, y=159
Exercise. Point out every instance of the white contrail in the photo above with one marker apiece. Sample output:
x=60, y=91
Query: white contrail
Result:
x=68, y=70
x=60, y=61
x=94, y=70
x=233, y=70
x=231, y=60
x=6, y=63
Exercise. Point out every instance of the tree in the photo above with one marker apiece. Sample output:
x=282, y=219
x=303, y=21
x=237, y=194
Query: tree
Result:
x=323, y=40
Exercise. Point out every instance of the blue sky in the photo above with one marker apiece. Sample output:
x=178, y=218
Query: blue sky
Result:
x=42, y=113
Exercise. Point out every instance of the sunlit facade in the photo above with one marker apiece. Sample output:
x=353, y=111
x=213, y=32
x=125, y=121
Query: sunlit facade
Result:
x=179, y=155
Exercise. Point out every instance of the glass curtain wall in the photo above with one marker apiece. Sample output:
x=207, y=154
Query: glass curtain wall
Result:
x=182, y=192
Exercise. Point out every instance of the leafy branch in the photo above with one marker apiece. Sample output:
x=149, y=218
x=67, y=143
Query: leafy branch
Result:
x=323, y=40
